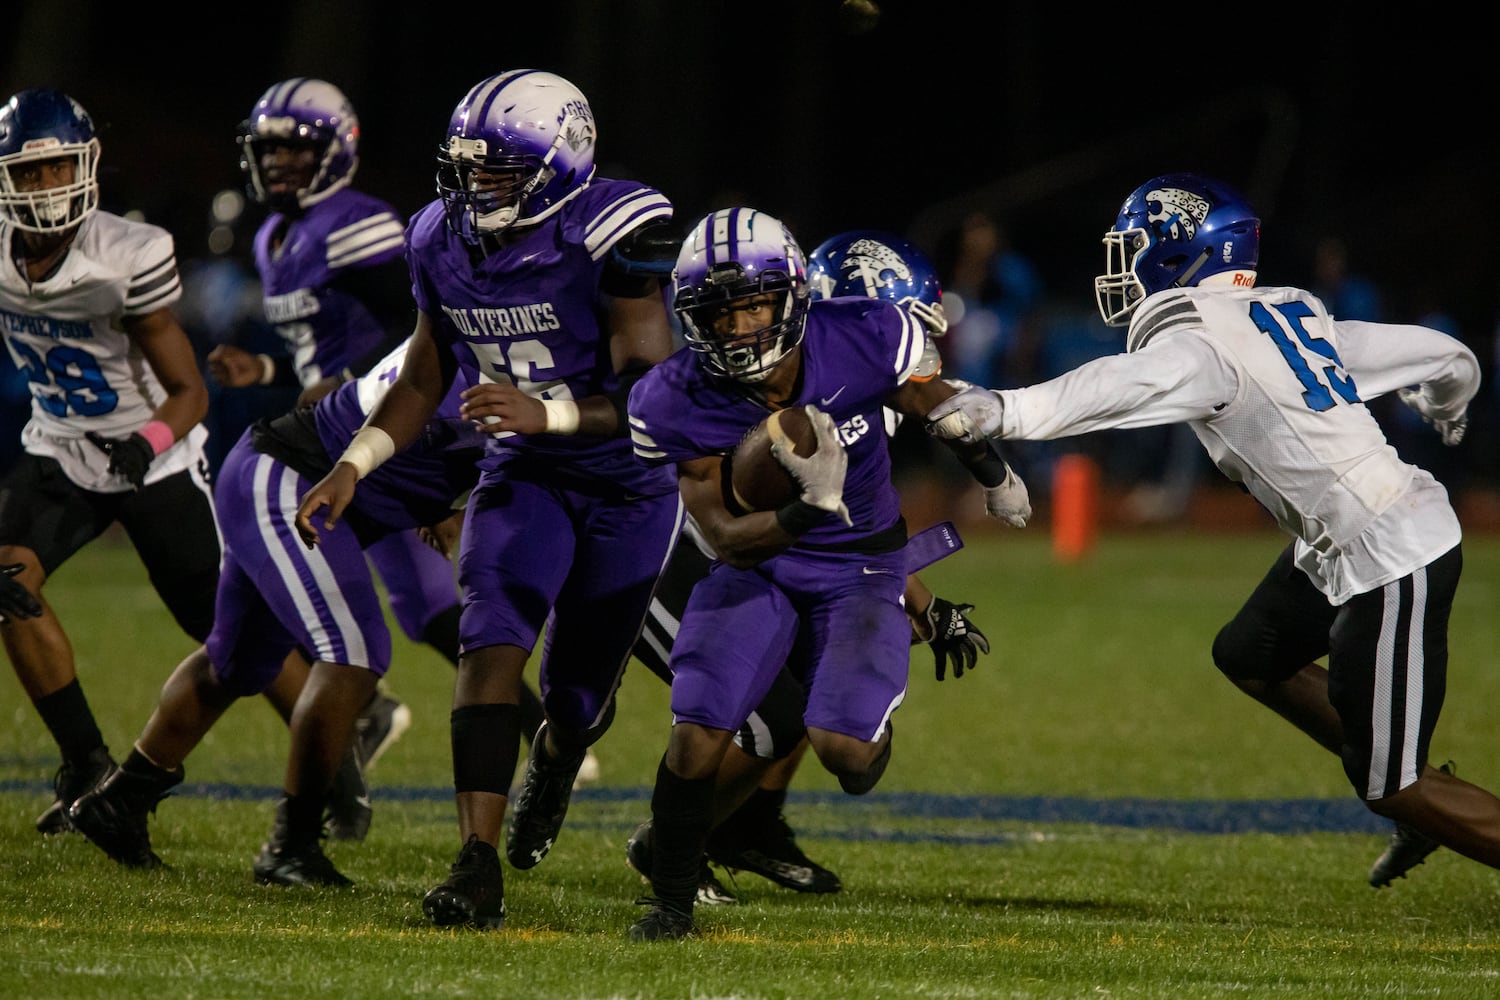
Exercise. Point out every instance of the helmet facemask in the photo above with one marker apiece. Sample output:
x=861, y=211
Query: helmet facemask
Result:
x=1118, y=289
x=54, y=209
x=707, y=316
x=484, y=195
x=519, y=145
x=321, y=150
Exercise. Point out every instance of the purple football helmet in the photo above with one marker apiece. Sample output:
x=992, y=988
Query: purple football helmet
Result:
x=731, y=255
x=1173, y=232
x=518, y=146
x=38, y=125
x=308, y=114
x=880, y=265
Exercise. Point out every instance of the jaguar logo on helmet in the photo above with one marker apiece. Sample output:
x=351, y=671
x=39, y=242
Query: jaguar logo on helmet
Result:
x=1178, y=213
x=868, y=259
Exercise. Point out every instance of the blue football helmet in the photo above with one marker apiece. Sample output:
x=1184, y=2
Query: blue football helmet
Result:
x=731, y=255
x=1172, y=232
x=880, y=265
x=518, y=146
x=306, y=114
x=43, y=124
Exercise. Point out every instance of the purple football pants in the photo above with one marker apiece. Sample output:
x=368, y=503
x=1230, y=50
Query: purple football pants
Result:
x=835, y=619
x=418, y=580
x=274, y=593
x=581, y=564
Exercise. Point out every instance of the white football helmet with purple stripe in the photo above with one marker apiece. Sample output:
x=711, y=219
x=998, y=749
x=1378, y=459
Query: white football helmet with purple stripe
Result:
x=731, y=255
x=518, y=146
x=303, y=113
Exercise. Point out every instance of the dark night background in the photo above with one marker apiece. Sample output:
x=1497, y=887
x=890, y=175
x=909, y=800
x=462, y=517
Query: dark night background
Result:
x=1334, y=119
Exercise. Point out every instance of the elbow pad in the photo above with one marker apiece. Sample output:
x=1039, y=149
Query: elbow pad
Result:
x=649, y=251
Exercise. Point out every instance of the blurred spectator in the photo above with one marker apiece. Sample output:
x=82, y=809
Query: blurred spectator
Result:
x=1348, y=294
x=992, y=293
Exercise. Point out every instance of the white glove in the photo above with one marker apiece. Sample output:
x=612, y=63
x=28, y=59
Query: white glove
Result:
x=821, y=474
x=969, y=416
x=1452, y=430
x=1009, y=502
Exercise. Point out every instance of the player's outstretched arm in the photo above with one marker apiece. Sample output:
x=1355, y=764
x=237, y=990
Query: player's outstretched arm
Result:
x=940, y=404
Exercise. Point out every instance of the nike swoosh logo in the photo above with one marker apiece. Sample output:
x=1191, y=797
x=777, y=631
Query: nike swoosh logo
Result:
x=827, y=400
x=867, y=571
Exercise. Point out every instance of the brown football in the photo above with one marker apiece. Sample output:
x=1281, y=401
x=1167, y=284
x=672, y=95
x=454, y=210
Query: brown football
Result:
x=758, y=480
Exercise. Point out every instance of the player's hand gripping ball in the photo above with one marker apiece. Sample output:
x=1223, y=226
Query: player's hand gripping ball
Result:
x=758, y=480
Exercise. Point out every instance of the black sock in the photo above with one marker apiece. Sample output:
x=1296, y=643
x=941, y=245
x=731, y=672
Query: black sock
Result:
x=760, y=809
x=680, y=812
x=66, y=714
x=304, y=817
x=486, y=744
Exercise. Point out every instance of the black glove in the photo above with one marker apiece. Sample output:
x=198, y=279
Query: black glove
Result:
x=954, y=637
x=129, y=457
x=15, y=600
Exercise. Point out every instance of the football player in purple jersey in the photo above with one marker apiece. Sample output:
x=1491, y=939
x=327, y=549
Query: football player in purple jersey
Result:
x=275, y=595
x=1276, y=389
x=522, y=275
x=756, y=836
x=817, y=585
x=115, y=432
x=335, y=288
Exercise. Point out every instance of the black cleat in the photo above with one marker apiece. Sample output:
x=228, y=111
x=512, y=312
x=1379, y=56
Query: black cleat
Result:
x=1408, y=848
x=638, y=849
x=349, y=810
x=71, y=781
x=537, y=815
x=379, y=726
x=663, y=922
x=771, y=852
x=285, y=860
x=473, y=894
x=292, y=864
x=114, y=814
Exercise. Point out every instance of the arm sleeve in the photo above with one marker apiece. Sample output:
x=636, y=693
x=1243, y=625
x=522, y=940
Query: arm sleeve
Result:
x=1384, y=357
x=1176, y=377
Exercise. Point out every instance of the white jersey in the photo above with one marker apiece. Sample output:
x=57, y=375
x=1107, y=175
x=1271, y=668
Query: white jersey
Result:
x=1275, y=388
x=66, y=334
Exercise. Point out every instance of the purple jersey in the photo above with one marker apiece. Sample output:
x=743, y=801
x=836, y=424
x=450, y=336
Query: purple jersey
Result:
x=856, y=352
x=301, y=260
x=529, y=312
x=418, y=485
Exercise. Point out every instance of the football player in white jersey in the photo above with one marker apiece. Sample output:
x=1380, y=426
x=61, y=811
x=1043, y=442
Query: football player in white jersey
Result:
x=1276, y=389
x=117, y=400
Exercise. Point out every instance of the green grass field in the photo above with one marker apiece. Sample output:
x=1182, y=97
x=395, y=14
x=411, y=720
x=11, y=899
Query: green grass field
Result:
x=1034, y=836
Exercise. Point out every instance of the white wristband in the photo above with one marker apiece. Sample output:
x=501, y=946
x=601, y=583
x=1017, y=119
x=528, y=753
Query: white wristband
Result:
x=368, y=449
x=562, y=416
x=267, y=368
